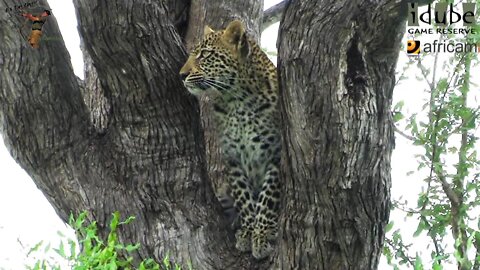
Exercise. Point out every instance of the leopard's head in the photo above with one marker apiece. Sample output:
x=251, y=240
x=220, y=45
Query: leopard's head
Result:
x=215, y=63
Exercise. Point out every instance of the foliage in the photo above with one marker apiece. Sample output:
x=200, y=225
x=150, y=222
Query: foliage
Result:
x=93, y=253
x=447, y=208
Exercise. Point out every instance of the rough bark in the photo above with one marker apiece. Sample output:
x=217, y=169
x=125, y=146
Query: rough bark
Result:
x=218, y=13
x=336, y=69
x=129, y=138
x=273, y=14
x=136, y=147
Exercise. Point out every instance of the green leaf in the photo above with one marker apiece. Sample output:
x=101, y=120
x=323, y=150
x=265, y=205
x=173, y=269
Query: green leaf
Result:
x=418, y=263
x=61, y=250
x=420, y=228
x=115, y=220
x=389, y=226
x=35, y=248
x=437, y=266
x=95, y=255
x=131, y=248
x=442, y=85
x=399, y=105
x=78, y=223
x=73, y=251
x=397, y=116
x=453, y=149
x=128, y=220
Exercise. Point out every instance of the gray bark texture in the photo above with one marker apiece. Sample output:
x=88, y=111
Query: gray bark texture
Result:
x=336, y=74
x=130, y=138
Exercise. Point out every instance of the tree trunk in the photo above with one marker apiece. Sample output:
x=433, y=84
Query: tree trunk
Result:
x=129, y=137
x=136, y=147
x=336, y=67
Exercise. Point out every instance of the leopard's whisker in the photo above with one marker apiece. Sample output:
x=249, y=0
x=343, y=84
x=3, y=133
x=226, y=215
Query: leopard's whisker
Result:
x=218, y=85
x=248, y=128
x=222, y=78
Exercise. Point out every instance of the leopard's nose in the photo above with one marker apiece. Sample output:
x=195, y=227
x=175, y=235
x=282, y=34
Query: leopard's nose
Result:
x=184, y=75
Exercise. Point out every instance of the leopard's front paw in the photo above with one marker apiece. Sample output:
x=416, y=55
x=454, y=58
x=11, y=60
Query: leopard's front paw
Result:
x=261, y=248
x=244, y=242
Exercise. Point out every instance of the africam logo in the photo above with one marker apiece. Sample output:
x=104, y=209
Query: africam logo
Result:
x=36, y=15
x=414, y=47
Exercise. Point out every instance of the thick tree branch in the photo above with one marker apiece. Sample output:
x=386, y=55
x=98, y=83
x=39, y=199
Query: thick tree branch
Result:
x=94, y=96
x=148, y=158
x=338, y=131
x=217, y=14
x=455, y=201
x=43, y=117
x=459, y=230
x=149, y=140
x=273, y=14
x=178, y=11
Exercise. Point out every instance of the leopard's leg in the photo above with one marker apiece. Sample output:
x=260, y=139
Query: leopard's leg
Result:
x=267, y=209
x=242, y=193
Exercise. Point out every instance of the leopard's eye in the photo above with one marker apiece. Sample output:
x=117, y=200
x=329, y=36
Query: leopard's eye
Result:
x=204, y=53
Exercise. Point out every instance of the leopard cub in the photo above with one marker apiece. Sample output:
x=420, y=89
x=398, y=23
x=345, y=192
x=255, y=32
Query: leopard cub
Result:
x=231, y=67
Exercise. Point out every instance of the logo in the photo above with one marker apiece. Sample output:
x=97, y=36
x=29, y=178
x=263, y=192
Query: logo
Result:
x=18, y=8
x=37, y=23
x=413, y=47
x=444, y=19
x=441, y=16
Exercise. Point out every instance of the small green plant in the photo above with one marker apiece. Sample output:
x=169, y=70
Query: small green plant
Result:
x=95, y=254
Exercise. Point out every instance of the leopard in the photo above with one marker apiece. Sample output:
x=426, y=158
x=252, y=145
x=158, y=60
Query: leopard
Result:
x=229, y=66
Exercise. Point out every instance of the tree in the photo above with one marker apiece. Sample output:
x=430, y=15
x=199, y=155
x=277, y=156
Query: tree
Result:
x=129, y=138
x=444, y=129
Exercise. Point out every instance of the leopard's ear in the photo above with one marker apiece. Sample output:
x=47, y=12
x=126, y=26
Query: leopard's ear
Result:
x=207, y=30
x=236, y=37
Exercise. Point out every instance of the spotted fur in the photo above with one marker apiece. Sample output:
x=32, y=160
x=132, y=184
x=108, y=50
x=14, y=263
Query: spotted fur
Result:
x=231, y=67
